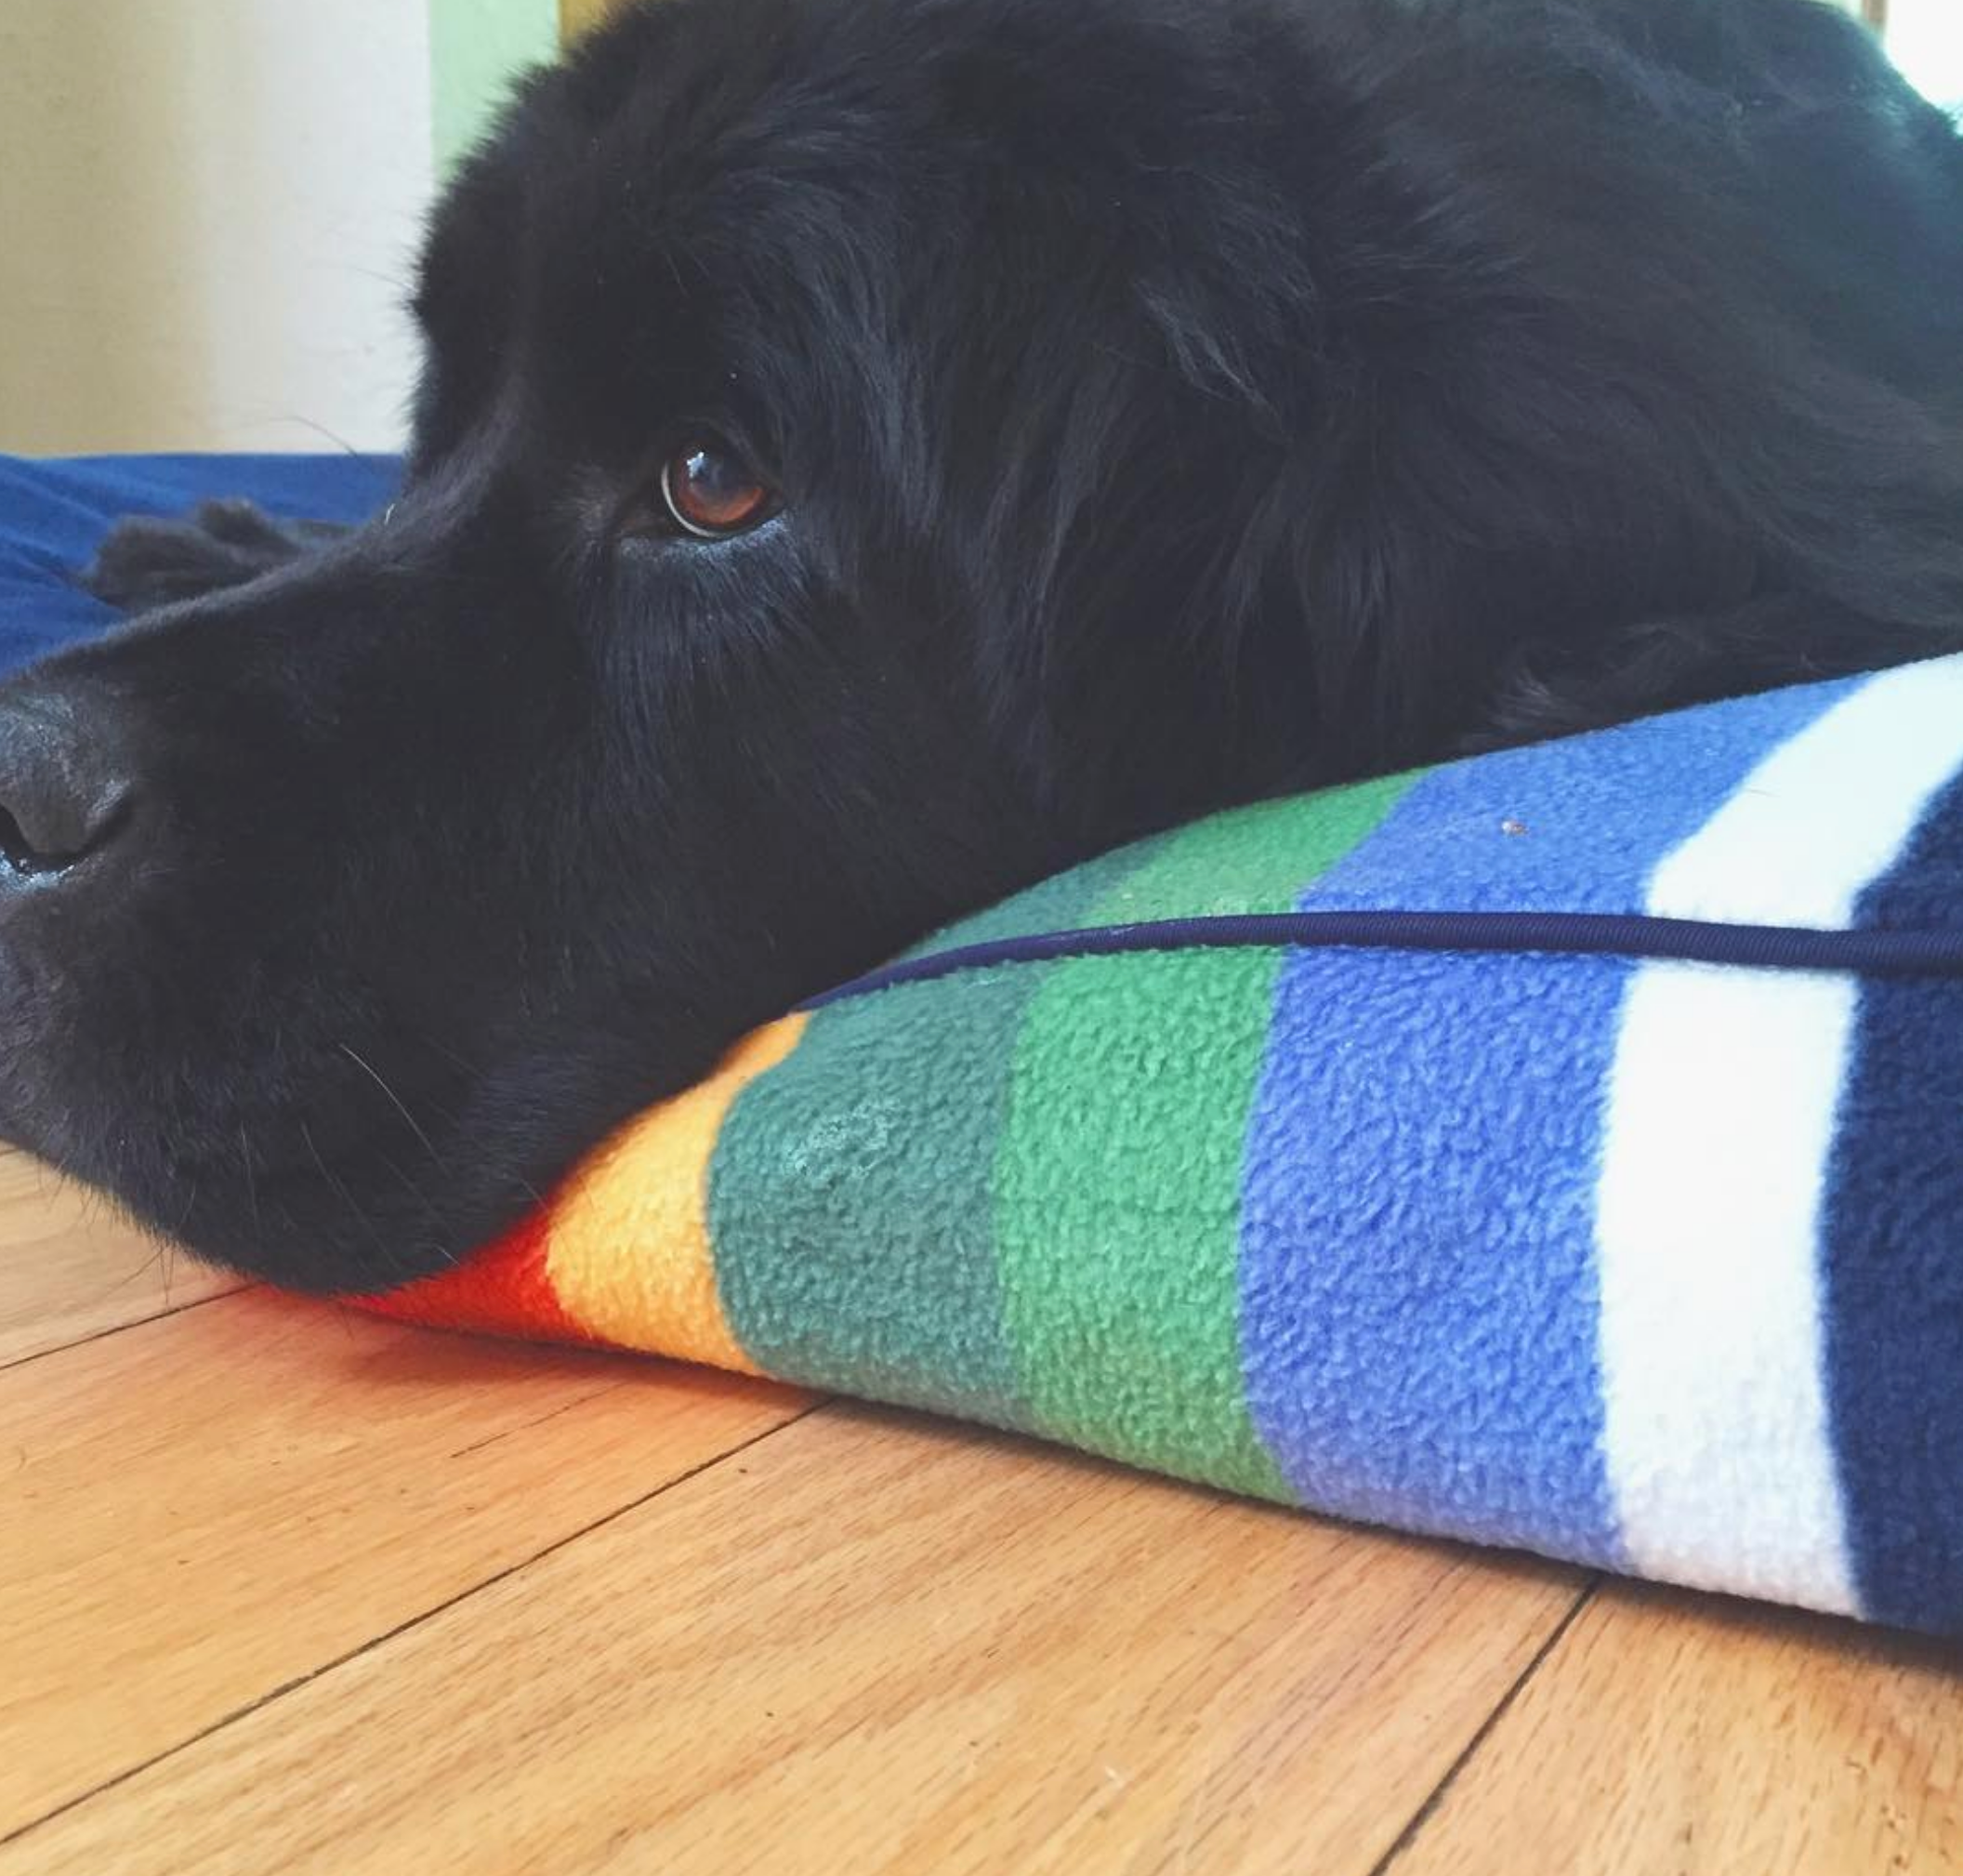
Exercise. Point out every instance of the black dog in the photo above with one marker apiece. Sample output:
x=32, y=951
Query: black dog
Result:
x=876, y=453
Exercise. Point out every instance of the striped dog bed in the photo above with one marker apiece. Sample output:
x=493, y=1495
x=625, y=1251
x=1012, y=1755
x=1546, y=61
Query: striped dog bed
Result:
x=1562, y=1149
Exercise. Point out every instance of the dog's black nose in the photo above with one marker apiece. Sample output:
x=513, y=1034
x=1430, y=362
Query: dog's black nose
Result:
x=65, y=787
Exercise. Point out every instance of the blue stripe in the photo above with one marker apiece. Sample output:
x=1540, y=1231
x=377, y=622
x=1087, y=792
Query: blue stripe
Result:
x=1417, y=1252
x=1893, y=1281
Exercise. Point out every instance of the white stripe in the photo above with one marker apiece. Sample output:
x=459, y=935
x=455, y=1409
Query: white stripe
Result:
x=1721, y=1121
x=1720, y=1117
x=1823, y=816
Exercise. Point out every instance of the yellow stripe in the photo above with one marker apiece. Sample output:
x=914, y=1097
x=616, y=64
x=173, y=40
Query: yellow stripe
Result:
x=628, y=1253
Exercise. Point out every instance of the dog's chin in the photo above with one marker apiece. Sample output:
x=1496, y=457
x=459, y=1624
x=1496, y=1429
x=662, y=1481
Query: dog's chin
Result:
x=317, y=1184
x=364, y=1234
x=348, y=1226
x=343, y=1218
x=321, y=1159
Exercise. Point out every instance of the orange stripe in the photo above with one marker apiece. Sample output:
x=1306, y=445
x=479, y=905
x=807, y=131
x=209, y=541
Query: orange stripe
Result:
x=628, y=1251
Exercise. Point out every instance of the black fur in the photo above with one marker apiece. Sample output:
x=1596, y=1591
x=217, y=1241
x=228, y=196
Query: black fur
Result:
x=1174, y=401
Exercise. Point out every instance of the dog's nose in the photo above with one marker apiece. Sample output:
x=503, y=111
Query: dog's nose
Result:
x=65, y=787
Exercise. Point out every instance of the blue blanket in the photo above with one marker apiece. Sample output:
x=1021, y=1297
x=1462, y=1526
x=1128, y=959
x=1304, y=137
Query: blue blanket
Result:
x=53, y=514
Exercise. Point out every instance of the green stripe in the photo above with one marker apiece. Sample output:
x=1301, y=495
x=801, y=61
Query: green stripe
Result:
x=850, y=1192
x=1118, y=1183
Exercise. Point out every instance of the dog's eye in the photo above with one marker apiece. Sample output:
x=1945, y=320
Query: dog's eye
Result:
x=711, y=493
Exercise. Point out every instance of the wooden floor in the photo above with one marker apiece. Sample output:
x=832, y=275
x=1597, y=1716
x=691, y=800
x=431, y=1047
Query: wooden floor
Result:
x=285, y=1590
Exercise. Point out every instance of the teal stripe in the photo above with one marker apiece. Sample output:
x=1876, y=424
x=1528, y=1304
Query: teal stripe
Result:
x=849, y=1196
x=1118, y=1183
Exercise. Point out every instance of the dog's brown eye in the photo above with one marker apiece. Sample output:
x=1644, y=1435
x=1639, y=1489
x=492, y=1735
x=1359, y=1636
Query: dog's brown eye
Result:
x=712, y=493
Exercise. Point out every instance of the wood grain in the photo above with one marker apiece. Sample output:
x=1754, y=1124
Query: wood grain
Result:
x=71, y=1269
x=283, y=1588
x=1673, y=1732
x=196, y=1511
x=871, y=1643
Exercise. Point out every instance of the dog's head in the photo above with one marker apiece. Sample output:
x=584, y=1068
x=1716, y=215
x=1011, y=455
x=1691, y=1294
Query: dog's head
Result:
x=817, y=514
x=870, y=455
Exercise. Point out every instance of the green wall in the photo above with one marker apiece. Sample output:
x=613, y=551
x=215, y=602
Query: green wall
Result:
x=475, y=49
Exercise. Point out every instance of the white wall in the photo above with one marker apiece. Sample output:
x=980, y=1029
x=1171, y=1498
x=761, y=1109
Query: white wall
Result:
x=1926, y=37
x=206, y=211
x=207, y=208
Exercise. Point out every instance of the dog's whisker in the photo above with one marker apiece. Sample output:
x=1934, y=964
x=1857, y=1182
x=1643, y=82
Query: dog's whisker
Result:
x=171, y=1242
x=341, y=1192
x=321, y=430
x=252, y=1185
x=141, y=1271
x=428, y=1206
x=374, y=1074
x=437, y=1046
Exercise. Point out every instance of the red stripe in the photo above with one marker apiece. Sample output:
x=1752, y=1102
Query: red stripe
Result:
x=503, y=1290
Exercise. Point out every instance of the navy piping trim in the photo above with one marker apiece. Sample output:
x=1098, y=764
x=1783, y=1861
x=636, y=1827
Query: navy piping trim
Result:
x=1581, y=934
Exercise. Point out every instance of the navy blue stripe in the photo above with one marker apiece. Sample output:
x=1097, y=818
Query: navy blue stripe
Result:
x=1924, y=953
x=1894, y=1252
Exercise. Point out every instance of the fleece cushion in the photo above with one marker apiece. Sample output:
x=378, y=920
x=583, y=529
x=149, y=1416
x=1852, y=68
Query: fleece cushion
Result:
x=1562, y=1150
x=1604, y=1200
